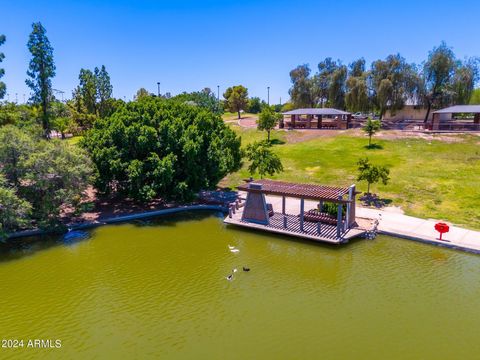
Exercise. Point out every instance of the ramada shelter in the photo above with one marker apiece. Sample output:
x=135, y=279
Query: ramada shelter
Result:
x=317, y=118
x=456, y=118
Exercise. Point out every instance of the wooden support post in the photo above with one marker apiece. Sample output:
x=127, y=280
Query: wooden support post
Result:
x=339, y=218
x=230, y=214
x=284, y=221
x=236, y=205
x=319, y=228
x=283, y=205
x=302, y=210
x=320, y=206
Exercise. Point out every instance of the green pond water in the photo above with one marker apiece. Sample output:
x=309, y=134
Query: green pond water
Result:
x=158, y=290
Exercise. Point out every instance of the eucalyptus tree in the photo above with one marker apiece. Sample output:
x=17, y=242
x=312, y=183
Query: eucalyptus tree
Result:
x=323, y=79
x=3, y=87
x=438, y=72
x=302, y=88
x=41, y=70
x=464, y=80
x=357, y=96
x=446, y=80
x=336, y=89
x=393, y=81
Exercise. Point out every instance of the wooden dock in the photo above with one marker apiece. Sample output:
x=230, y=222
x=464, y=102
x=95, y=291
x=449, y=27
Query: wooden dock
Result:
x=328, y=233
x=264, y=198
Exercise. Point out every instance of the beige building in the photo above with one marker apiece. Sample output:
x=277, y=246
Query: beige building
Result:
x=409, y=112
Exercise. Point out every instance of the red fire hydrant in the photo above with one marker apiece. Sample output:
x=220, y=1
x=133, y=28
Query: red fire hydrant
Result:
x=442, y=228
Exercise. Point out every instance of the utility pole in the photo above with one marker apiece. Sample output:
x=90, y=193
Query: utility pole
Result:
x=158, y=88
x=218, y=92
x=268, y=95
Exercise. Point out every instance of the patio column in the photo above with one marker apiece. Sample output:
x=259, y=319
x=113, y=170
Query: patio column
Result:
x=294, y=117
x=283, y=213
x=339, y=218
x=319, y=122
x=302, y=211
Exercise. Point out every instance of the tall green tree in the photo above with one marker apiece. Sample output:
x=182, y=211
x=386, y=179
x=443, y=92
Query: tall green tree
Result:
x=322, y=81
x=262, y=159
x=438, y=72
x=267, y=120
x=236, y=99
x=302, y=89
x=41, y=70
x=464, y=79
x=357, y=95
x=56, y=174
x=161, y=148
x=3, y=87
x=88, y=90
x=371, y=173
x=393, y=81
x=336, y=89
x=104, y=90
x=255, y=105
x=48, y=175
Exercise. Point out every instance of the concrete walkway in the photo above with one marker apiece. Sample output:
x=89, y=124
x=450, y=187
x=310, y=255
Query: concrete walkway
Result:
x=398, y=225
x=409, y=227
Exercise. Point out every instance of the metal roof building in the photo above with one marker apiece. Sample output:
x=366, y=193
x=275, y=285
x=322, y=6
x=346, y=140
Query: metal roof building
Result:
x=456, y=118
x=317, y=118
x=459, y=109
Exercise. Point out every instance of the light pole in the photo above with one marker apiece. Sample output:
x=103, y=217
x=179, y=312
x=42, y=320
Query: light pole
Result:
x=268, y=95
x=158, y=87
x=218, y=92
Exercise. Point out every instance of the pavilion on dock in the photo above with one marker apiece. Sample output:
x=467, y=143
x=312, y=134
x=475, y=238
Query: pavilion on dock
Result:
x=280, y=214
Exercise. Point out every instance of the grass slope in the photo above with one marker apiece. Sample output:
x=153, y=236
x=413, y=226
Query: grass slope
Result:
x=429, y=178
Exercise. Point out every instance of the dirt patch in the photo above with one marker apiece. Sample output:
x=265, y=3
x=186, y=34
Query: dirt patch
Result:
x=296, y=136
x=396, y=135
x=99, y=208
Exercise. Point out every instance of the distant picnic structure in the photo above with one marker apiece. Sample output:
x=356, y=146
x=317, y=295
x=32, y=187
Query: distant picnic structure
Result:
x=456, y=118
x=313, y=224
x=317, y=118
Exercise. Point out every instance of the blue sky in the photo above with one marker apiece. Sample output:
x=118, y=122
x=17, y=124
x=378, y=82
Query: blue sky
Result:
x=189, y=45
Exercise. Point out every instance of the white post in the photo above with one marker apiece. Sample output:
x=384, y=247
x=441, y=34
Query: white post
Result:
x=302, y=209
x=339, y=218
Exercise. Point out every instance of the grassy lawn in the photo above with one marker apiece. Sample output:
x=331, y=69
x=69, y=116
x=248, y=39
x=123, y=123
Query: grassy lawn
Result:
x=429, y=178
x=234, y=116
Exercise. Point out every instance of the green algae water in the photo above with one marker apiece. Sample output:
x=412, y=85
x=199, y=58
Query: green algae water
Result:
x=158, y=291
